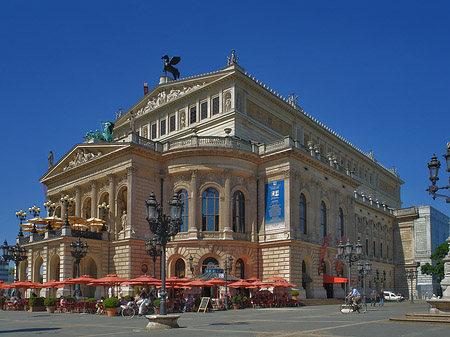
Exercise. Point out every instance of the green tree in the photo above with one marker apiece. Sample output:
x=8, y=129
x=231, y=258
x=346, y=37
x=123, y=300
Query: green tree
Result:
x=437, y=266
x=11, y=271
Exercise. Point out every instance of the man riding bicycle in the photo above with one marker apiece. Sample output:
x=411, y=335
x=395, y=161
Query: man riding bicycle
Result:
x=355, y=296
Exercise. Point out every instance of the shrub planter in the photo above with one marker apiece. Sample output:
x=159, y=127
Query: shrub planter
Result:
x=50, y=304
x=111, y=304
x=111, y=312
x=51, y=309
x=33, y=309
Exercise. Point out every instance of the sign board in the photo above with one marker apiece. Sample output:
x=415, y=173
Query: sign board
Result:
x=204, y=304
x=274, y=217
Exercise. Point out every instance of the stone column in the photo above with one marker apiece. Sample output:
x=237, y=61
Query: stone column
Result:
x=112, y=203
x=131, y=182
x=77, y=201
x=94, y=206
x=226, y=214
x=251, y=209
x=63, y=207
x=287, y=202
x=193, y=207
x=261, y=200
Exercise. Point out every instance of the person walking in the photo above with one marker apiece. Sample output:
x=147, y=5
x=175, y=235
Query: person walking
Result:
x=381, y=304
x=373, y=298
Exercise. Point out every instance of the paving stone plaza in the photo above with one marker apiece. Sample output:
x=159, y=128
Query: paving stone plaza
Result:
x=325, y=320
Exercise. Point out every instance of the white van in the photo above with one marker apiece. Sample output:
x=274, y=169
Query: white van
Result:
x=390, y=296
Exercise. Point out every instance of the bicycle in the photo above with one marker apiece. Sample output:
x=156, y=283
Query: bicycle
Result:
x=347, y=307
x=133, y=310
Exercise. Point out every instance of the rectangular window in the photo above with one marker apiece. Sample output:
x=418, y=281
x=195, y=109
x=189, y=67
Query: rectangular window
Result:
x=215, y=105
x=192, y=114
x=203, y=110
x=162, y=127
x=172, y=123
x=367, y=247
x=374, y=247
x=153, y=131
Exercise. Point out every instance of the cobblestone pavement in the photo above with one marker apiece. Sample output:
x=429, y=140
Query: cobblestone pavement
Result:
x=304, y=321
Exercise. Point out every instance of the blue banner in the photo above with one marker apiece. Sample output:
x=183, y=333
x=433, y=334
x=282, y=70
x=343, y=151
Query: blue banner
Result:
x=274, y=217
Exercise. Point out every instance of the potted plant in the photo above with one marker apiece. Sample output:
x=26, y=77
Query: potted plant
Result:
x=50, y=304
x=156, y=304
x=294, y=294
x=111, y=304
x=36, y=304
x=236, y=300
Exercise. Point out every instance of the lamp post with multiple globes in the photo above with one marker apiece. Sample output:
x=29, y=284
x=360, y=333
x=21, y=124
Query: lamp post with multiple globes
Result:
x=164, y=228
x=349, y=253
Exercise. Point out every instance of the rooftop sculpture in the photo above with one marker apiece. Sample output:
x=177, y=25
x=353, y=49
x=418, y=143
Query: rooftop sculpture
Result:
x=169, y=66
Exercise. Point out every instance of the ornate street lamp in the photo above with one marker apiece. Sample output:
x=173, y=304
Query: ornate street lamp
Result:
x=152, y=249
x=50, y=207
x=78, y=251
x=21, y=215
x=228, y=267
x=411, y=274
x=434, y=166
x=13, y=253
x=68, y=202
x=34, y=211
x=349, y=253
x=164, y=227
x=104, y=209
x=364, y=270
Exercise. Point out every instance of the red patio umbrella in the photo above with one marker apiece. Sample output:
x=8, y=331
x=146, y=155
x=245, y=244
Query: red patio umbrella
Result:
x=242, y=284
x=217, y=281
x=199, y=283
x=83, y=279
x=283, y=284
x=262, y=284
x=253, y=279
x=143, y=280
x=23, y=284
x=110, y=280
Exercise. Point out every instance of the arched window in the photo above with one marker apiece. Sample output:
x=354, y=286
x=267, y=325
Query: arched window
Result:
x=210, y=261
x=210, y=210
x=239, y=271
x=184, y=198
x=180, y=268
x=302, y=213
x=238, y=212
x=341, y=223
x=323, y=218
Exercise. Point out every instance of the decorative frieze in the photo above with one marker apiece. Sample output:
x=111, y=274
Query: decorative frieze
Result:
x=80, y=157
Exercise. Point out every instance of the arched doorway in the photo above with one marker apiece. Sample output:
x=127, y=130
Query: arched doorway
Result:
x=38, y=269
x=306, y=280
x=87, y=267
x=180, y=268
x=240, y=269
x=328, y=286
x=86, y=209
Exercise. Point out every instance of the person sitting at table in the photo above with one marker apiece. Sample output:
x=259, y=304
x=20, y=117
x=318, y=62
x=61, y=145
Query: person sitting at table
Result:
x=99, y=306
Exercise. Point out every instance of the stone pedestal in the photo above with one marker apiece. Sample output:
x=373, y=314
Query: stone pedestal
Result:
x=439, y=306
x=162, y=322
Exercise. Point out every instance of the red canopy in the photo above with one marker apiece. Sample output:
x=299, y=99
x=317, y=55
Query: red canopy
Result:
x=52, y=284
x=217, y=281
x=334, y=279
x=83, y=279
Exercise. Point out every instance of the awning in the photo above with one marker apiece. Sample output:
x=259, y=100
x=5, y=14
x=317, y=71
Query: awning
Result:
x=334, y=279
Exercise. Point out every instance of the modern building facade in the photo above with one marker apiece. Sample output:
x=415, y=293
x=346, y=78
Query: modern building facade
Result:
x=420, y=230
x=261, y=180
x=4, y=272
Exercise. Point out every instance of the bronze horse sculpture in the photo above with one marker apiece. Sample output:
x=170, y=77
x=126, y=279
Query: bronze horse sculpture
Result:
x=169, y=66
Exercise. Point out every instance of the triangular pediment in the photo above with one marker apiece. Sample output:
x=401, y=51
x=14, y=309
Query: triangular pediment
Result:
x=82, y=154
x=167, y=93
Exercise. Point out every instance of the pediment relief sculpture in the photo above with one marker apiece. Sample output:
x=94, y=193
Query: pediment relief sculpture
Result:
x=81, y=156
x=167, y=96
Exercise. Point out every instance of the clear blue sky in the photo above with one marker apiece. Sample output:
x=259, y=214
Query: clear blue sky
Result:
x=377, y=72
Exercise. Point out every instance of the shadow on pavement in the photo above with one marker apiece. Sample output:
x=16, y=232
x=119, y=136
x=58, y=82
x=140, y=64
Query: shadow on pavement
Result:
x=28, y=330
x=235, y=323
